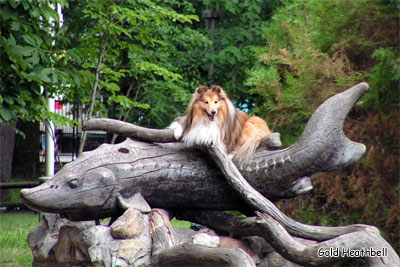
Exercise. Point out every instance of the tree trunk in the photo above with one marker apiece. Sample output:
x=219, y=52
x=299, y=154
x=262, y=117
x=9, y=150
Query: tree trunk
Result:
x=26, y=161
x=7, y=137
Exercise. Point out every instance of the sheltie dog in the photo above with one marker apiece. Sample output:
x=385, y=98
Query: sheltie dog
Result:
x=211, y=117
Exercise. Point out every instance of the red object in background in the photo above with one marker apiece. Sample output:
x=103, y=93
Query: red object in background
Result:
x=58, y=105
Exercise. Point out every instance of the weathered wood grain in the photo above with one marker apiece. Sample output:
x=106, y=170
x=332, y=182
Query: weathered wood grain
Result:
x=195, y=255
x=368, y=239
x=260, y=203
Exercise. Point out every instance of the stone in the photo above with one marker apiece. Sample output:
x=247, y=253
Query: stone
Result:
x=120, y=262
x=60, y=242
x=129, y=225
x=100, y=244
x=131, y=250
x=43, y=239
x=206, y=240
x=69, y=247
x=184, y=234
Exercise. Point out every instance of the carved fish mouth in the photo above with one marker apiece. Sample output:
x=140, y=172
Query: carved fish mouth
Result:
x=29, y=203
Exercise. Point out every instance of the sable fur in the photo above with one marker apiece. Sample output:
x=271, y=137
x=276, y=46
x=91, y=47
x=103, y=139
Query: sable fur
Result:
x=211, y=117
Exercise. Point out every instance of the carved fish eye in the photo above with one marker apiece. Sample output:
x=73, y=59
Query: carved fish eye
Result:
x=73, y=183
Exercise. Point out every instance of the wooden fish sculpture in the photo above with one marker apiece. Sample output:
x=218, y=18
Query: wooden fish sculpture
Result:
x=102, y=182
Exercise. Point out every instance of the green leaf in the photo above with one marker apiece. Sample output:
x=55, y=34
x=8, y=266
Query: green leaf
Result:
x=5, y=113
x=11, y=41
x=126, y=102
x=9, y=100
x=112, y=87
x=29, y=40
x=15, y=26
x=43, y=75
x=22, y=50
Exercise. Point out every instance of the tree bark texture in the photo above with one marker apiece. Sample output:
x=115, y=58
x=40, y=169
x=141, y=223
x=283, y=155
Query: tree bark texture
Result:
x=195, y=255
x=354, y=242
x=260, y=203
x=305, y=252
x=7, y=137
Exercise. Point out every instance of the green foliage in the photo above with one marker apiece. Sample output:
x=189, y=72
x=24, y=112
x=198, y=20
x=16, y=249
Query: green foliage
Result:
x=312, y=53
x=384, y=79
x=28, y=57
x=292, y=78
x=348, y=26
x=278, y=60
x=318, y=48
x=138, y=49
x=234, y=44
x=125, y=53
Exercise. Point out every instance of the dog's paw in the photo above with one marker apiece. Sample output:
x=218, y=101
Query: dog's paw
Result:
x=178, y=130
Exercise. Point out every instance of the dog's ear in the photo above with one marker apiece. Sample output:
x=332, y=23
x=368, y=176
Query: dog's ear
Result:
x=216, y=89
x=201, y=90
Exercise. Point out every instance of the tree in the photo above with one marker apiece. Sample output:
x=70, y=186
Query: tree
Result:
x=127, y=51
x=29, y=60
x=235, y=44
x=28, y=66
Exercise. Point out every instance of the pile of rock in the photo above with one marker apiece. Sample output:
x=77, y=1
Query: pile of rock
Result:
x=142, y=238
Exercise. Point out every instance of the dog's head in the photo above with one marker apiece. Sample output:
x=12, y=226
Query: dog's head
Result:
x=210, y=100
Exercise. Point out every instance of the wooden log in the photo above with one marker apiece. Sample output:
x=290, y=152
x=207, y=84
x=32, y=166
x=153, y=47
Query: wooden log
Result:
x=362, y=244
x=195, y=255
x=130, y=130
x=366, y=244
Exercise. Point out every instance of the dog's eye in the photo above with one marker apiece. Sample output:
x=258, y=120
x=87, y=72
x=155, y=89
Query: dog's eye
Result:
x=206, y=102
x=216, y=102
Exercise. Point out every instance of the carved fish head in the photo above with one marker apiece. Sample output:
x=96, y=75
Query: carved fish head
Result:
x=77, y=195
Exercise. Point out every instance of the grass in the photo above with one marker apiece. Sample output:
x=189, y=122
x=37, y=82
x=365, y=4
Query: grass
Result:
x=14, y=193
x=178, y=223
x=14, y=229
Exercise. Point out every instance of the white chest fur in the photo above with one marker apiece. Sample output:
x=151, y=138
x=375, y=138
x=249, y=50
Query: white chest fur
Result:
x=203, y=132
